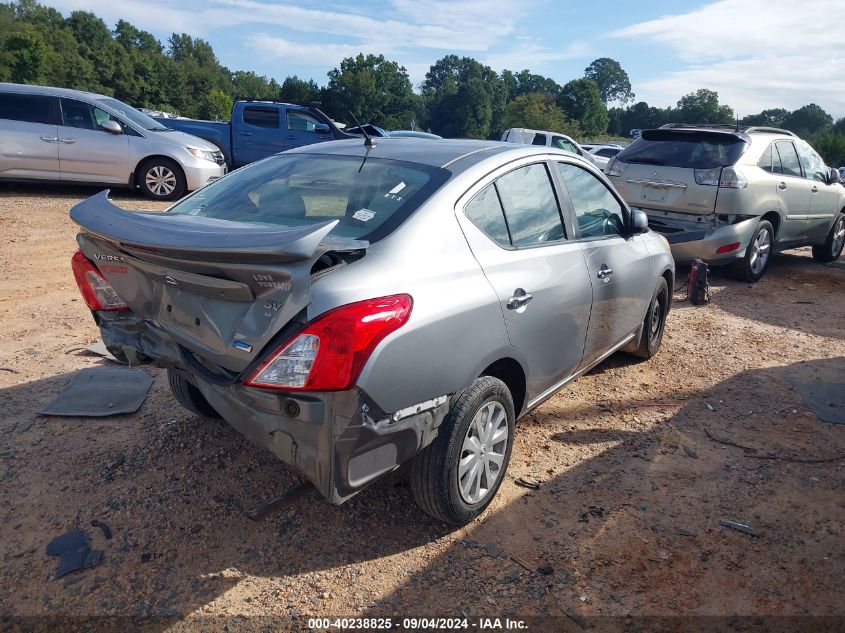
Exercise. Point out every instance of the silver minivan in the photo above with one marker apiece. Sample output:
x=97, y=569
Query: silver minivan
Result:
x=55, y=134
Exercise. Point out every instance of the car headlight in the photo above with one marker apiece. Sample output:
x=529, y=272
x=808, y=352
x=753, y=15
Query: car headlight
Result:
x=201, y=153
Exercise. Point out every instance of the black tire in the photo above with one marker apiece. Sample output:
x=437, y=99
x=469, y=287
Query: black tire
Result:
x=434, y=471
x=189, y=396
x=832, y=247
x=655, y=322
x=747, y=268
x=161, y=179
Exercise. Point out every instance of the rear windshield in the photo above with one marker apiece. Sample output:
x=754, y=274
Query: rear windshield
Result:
x=696, y=150
x=370, y=197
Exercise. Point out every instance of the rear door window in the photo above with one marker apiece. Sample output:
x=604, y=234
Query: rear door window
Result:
x=597, y=210
x=539, y=139
x=562, y=143
x=27, y=108
x=531, y=208
x=695, y=150
x=261, y=116
x=485, y=211
x=812, y=163
x=790, y=164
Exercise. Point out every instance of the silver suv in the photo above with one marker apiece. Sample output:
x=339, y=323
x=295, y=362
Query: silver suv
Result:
x=350, y=307
x=54, y=134
x=733, y=195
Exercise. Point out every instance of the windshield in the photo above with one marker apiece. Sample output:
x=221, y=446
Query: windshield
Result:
x=137, y=117
x=370, y=198
x=696, y=150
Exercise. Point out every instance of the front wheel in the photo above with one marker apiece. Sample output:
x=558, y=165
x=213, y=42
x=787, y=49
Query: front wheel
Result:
x=161, y=179
x=655, y=322
x=754, y=264
x=456, y=477
x=832, y=247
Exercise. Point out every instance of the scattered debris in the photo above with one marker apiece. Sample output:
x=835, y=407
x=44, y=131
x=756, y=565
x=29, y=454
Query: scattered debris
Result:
x=825, y=399
x=10, y=370
x=99, y=348
x=545, y=570
x=525, y=483
x=575, y=617
x=105, y=529
x=74, y=551
x=690, y=453
x=709, y=406
x=739, y=527
x=101, y=391
x=493, y=550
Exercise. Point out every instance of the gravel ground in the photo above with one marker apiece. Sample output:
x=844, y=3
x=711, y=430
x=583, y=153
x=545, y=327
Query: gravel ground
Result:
x=626, y=521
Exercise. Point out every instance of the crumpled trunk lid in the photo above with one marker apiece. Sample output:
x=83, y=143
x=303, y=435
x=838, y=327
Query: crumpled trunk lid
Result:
x=221, y=289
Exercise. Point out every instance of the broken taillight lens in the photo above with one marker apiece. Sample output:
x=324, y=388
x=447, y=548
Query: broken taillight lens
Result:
x=97, y=292
x=330, y=352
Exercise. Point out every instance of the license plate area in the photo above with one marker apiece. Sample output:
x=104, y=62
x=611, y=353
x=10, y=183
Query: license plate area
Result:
x=654, y=194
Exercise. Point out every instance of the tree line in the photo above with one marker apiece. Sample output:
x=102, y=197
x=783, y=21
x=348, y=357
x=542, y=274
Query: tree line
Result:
x=460, y=96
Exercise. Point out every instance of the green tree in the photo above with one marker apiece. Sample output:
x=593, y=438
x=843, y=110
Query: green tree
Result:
x=612, y=80
x=702, y=106
x=641, y=116
x=25, y=56
x=773, y=117
x=217, y=105
x=373, y=88
x=581, y=101
x=808, y=120
x=296, y=90
x=537, y=110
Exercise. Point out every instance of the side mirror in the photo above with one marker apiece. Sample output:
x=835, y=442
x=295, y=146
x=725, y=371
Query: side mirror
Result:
x=321, y=128
x=639, y=222
x=112, y=127
x=833, y=176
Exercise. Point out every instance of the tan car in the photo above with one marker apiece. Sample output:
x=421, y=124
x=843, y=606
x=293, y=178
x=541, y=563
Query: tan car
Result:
x=733, y=195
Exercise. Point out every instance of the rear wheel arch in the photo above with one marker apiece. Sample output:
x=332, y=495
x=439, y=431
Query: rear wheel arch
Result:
x=510, y=372
x=773, y=218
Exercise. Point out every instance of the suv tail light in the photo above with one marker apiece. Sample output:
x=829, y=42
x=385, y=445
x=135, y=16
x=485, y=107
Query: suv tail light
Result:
x=616, y=167
x=330, y=352
x=732, y=179
x=708, y=176
x=97, y=292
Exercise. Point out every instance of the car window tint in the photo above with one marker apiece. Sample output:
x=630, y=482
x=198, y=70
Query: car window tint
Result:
x=78, y=114
x=597, y=210
x=26, y=108
x=562, y=143
x=530, y=205
x=301, y=122
x=261, y=116
x=788, y=159
x=765, y=162
x=608, y=152
x=681, y=148
x=539, y=139
x=813, y=164
x=485, y=211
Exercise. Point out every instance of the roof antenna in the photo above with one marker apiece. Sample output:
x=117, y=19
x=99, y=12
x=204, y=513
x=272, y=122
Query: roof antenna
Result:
x=368, y=141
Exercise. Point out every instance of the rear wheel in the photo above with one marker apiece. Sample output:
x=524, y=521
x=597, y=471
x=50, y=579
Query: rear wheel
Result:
x=655, y=322
x=832, y=247
x=456, y=477
x=161, y=179
x=189, y=396
x=758, y=255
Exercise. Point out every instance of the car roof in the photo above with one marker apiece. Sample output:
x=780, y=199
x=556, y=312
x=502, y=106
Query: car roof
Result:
x=49, y=91
x=455, y=154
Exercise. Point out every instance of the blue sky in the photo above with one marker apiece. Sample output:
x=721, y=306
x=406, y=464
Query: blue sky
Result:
x=755, y=53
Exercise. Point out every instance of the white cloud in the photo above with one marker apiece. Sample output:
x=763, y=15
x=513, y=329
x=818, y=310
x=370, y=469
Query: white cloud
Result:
x=756, y=54
x=532, y=55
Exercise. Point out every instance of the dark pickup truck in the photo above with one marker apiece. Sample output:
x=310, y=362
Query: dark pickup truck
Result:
x=261, y=128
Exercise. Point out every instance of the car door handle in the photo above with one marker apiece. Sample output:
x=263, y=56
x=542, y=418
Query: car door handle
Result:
x=50, y=139
x=604, y=272
x=814, y=189
x=519, y=300
x=67, y=141
x=781, y=186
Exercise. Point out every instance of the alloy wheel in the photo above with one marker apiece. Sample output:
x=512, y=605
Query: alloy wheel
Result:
x=483, y=452
x=839, y=236
x=161, y=180
x=761, y=247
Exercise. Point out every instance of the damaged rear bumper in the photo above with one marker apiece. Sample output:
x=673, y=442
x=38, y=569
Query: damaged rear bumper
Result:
x=340, y=441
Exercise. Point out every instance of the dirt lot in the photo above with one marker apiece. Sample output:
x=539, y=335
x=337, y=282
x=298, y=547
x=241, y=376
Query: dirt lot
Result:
x=626, y=521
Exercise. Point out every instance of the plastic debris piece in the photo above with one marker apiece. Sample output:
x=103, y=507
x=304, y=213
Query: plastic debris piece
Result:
x=525, y=483
x=105, y=529
x=739, y=527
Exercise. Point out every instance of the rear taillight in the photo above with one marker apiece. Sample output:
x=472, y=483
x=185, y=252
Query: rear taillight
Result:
x=732, y=179
x=330, y=352
x=97, y=292
x=616, y=167
x=707, y=176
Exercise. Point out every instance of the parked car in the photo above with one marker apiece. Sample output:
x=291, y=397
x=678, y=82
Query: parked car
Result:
x=258, y=129
x=291, y=299
x=732, y=195
x=412, y=134
x=601, y=153
x=547, y=139
x=54, y=134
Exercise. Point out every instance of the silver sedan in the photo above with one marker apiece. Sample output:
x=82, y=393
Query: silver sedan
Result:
x=352, y=306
